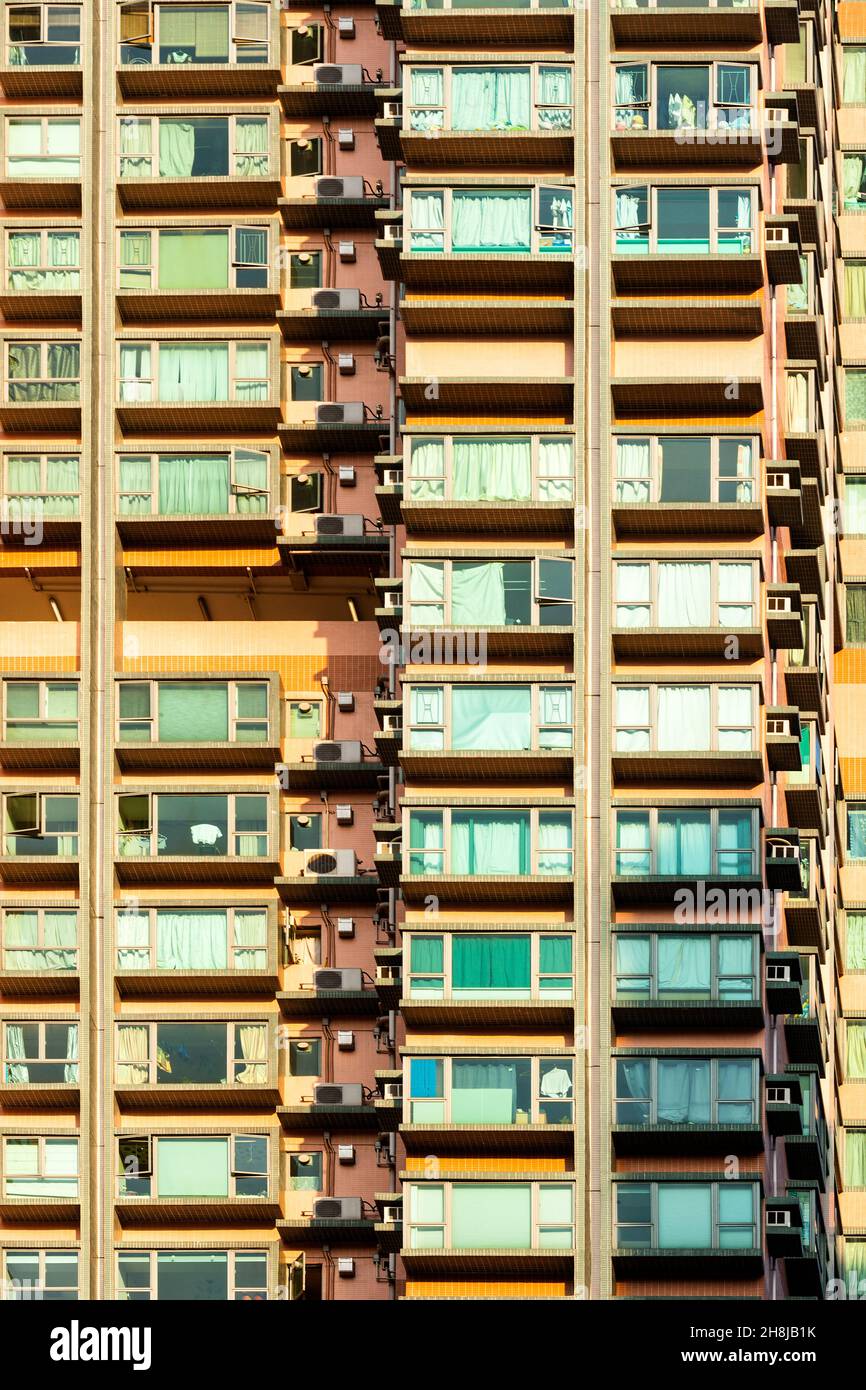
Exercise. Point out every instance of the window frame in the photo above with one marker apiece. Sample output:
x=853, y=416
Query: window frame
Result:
x=544, y=238
x=715, y=105
x=717, y=619
x=42, y=1288
x=236, y=489
x=44, y=7
x=715, y=727
x=236, y=44
x=149, y=1293
x=417, y=1104
x=153, y=346
x=45, y=122
x=44, y=378
x=153, y=831
x=39, y=829
x=43, y=684
x=537, y=1224
x=655, y=443
x=39, y=1174
x=652, y=813
x=537, y=601
x=151, y=913
x=233, y=683
x=233, y=1053
x=232, y=118
x=679, y=1180
x=446, y=975
x=654, y=938
x=153, y=1140
x=446, y=477
x=155, y=234
x=495, y=61
x=446, y=727
x=40, y=945
x=716, y=229
x=42, y=1059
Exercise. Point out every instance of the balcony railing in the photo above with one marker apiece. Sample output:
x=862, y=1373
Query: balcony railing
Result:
x=494, y=221
x=235, y=34
x=675, y=1227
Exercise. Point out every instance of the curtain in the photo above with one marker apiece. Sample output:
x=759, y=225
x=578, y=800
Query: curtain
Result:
x=684, y=594
x=856, y=1063
x=491, y=470
x=855, y=1158
x=426, y=842
x=428, y=90
x=628, y=216
x=735, y=834
x=204, y=30
x=60, y=272
x=60, y=941
x=52, y=153
x=855, y=289
x=192, y=485
x=427, y=956
x=427, y=212
x=855, y=396
x=135, y=485
x=70, y=1071
x=684, y=845
x=735, y=1092
x=193, y=260
x=683, y=714
x=735, y=594
x=253, y=1041
x=478, y=594
x=250, y=940
x=251, y=379
x=176, y=149
x=852, y=178
x=483, y=1092
x=554, y=842
x=135, y=148
x=133, y=941
x=251, y=141
x=856, y=834
x=554, y=99
x=855, y=506
x=634, y=856
x=133, y=1049
x=135, y=372
x=632, y=470
x=633, y=1092
x=685, y=1216
x=490, y=842
x=632, y=719
x=193, y=712
x=17, y=1073
x=250, y=482
x=853, y=76
x=555, y=470
x=684, y=965
x=427, y=469
x=495, y=716
x=491, y=1216
x=855, y=936
x=797, y=395
x=491, y=221
x=191, y=940
x=427, y=592
x=798, y=295
x=193, y=372
x=491, y=99
x=684, y=1093
x=633, y=607
x=735, y=709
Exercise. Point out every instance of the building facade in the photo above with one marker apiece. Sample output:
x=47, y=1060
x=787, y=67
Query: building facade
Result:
x=432, y=580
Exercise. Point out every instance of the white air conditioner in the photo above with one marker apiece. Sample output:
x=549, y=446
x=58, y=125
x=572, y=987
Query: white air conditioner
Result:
x=338, y=1209
x=392, y=1216
x=347, y=750
x=392, y=598
x=392, y=231
x=392, y=477
x=338, y=981
x=345, y=926
x=348, y=413
x=333, y=524
x=338, y=74
x=351, y=186
x=330, y=863
x=346, y=1266
x=392, y=723
x=331, y=1093
x=336, y=299
x=393, y=1090
x=393, y=110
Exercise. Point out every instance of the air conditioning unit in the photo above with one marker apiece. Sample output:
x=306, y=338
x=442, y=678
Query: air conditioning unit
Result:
x=346, y=1266
x=337, y=299
x=352, y=186
x=347, y=750
x=338, y=1209
x=392, y=723
x=393, y=110
x=349, y=413
x=348, y=1093
x=332, y=524
x=392, y=231
x=338, y=981
x=345, y=926
x=346, y=1040
x=330, y=863
x=392, y=598
x=778, y=1218
x=338, y=74
x=392, y=1216
x=392, y=477
x=393, y=1090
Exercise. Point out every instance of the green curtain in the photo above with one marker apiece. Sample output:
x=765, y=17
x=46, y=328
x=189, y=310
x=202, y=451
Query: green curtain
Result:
x=555, y=470
x=554, y=842
x=855, y=397
x=60, y=937
x=191, y=940
x=490, y=842
x=250, y=940
x=427, y=956
x=135, y=485
x=480, y=962
x=684, y=842
x=192, y=1167
x=855, y=937
x=495, y=716
x=427, y=91
x=492, y=470
x=193, y=372
x=427, y=213
x=54, y=155
x=736, y=1092
x=554, y=955
x=855, y=289
x=427, y=469
x=856, y=1063
x=176, y=148
x=251, y=381
x=855, y=613
x=855, y=1158
x=685, y=1216
x=193, y=260
x=251, y=140
x=478, y=593
x=491, y=220
x=193, y=712
x=26, y=271
x=491, y=1216
x=427, y=591
x=491, y=98
x=192, y=485
x=554, y=98
x=684, y=1092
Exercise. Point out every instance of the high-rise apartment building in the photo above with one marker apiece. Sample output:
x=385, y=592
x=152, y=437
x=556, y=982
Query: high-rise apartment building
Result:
x=433, y=856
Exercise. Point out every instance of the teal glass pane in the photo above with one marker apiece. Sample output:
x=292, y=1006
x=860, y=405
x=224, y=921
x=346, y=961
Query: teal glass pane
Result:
x=685, y=1216
x=490, y=842
x=482, y=962
x=192, y=1167
x=491, y=717
x=491, y=1216
x=193, y=712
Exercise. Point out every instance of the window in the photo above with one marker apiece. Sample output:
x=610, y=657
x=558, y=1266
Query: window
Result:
x=193, y=147
x=685, y=468
x=305, y=270
x=480, y=842
x=193, y=711
x=853, y=75
x=674, y=843
x=182, y=938
x=43, y=372
x=40, y=1053
x=490, y=593
x=179, y=1166
x=196, y=1054
x=41, y=825
x=686, y=1091
x=683, y=594
x=39, y=939
x=693, y=718
x=490, y=717
x=307, y=381
x=513, y=220
x=683, y=221
x=43, y=147
x=687, y=1215
x=41, y=712
x=194, y=825
x=854, y=180
x=668, y=96
x=305, y=831
x=194, y=258
x=855, y=397
x=192, y=1275
x=305, y=1172
x=199, y=484
x=51, y=1276
x=503, y=468
x=39, y=260
x=856, y=842
x=204, y=373
x=45, y=485
x=305, y=1057
x=182, y=34
x=307, y=44
x=503, y=1216
x=44, y=35
x=490, y=965
x=855, y=613
x=688, y=966
x=501, y=97
x=305, y=721
x=40, y=1167
x=305, y=157
x=491, y=1090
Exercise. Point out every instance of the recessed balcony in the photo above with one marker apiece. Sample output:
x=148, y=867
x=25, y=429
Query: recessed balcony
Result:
x=808, y=570
x=524, y=24
x=488, y=317
x=806, y=917
x=705, y=23
x=805, y=1038
x=784, y=493
x=328, y=886
x=784, y=982
x=806, y=800
x=783, y=1227
x=783, y=1102
x=234, y=723
x=336, y=89
x=783, y=865
x=42, y=167
x=657, y=767
x=180, y=1065
x=784, y=610
x=328, y=1112
x=488, y=1264
x=653, y=397
x=739, y=148
x=782, y=248
x=686, y=484
x=713, y=273
x=42, y=275
x=195, y=837
x=192, y=387
x=40, y=842
x=334, y=428
x=167, y=53
x=196, y=495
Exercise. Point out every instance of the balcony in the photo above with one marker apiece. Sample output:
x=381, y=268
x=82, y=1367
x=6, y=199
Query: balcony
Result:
x=784, y=611
x=330, y=314
x=41, y=275
x=654, y=397
x=333, y=427
x=175, y=951
x=471, y=854
x=651, y=598
x=686, y=485
x=808, y=570
x=652, y=863
x=334, y=765
x=197, y=495
x=334, y=993
x=783, y=865
x=784, y=982
x=783, y=1229
x=782, y=740
x=328, y=876
x=40, y=1067
x=190, y=387
x=329, y=89
x=654, y=988
x=807, y=1269
x=329, y=1225
x=40, y=840
x=341, y=1107
x=197, y=274
x=488, y=317
x=42, y=161
x=334, y=202
x=480, y=978
x=42, y=55
x=202, y=162
x=784, y=493
x=805, y=679
x=783, y=1104
x=332, y=543
x=489, y=1104
x=807, y=1146
x=806, y=1035
x=41, y=386
x=805, y=907
x=167, y=53
x=40, y=729
x=491, y=483
x=534, y=22
x=180, y=1179
x=708, y=23
x=196, y=837
x=669, y=734
x=806, y=800
x=179, y=1065
x=197, y=725
x=448, y=1226
x=782, y=248
x=491, y=395
x=39, y=950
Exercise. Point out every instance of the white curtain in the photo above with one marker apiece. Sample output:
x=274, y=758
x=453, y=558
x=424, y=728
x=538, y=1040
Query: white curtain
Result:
x=17, y=1074
x=735, y=718
x=683, y=717
x=70, y=1071
x=191, y=941
x=853, y=76
x=735, y=595
x=132, y=1054
x=632, y=470
x=253, y=1041
x=684, y=594
x=632, y=719
x=797, y=397
x=632, y=595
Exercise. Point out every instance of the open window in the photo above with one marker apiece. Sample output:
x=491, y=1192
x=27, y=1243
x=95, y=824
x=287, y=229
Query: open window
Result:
x=308, y=44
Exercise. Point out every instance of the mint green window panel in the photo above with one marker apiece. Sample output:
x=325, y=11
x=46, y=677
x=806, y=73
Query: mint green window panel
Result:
x=633, y=853
x=54, y=153
x=193, y=485
x=135, y=260
x=251, y=138
x=428, y=99
x=684, y=966
x=478, y=593
x=193, y=712
x=683, y=1092
x=496, y=470
x=554, y=965
x=490, y=842
x=555, y=1221
x=494, y=716
x=251, y=372
x=480, y=962
x=685, y=1216
x=555, y=470
x=193, y=260
x=61, y=486
x=554, y=842
x=133, y=941
x=734, y=854
x=798, y=294
x=250, y=482
x=554, y=98
x=426, y=591
x=136, y=148
x=853, y=168
x=736, y=1216
x=427, y=219
x=483, y=1091
x=856, y=1058
x=684, y=594
x=736, y=979
x=491, y=1216
x=491, y=98
x=736, y=1093
x=684, y=842
x=855, y=504
x=427, y=964
x=855, y=936
x=427, y=713
x=683, y=718
x=193, y=34
x=176, y=149
x=683, y=221
x=427, y=469
x=855, y=397
x=426, y=842
x=491, y=221
x=192, y=1275
x=633, y=966
x=193, y=372
x=855, y=1158
x=191, y=940
x=555, y=707
x=192, y=1167
x=250, y=940
x=427, y=1212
